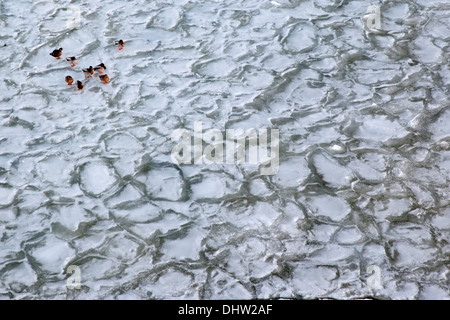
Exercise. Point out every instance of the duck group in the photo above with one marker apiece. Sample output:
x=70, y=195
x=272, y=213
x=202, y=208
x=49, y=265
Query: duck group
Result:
x=88, y=72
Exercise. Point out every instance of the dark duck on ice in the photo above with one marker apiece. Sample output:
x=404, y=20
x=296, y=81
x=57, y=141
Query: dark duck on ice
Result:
x=100, y=68
x=104, y=78
x=56, y=53
x=88, y=72
x=72, y=60
x=120, y=44
x=69, y=80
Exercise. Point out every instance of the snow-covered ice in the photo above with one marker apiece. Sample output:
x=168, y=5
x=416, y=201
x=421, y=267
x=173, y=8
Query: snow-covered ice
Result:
x=86, y=177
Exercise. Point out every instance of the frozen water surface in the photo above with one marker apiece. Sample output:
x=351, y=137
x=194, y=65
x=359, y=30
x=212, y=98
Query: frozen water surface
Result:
x=86, y=177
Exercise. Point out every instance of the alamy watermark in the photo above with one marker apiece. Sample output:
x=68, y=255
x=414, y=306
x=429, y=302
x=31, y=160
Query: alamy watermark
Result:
x=372, y=18
x=74, y=280
x=374, y=280
x=190, y=149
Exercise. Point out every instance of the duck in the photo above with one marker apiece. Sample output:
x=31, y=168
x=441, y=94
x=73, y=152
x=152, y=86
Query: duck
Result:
x=100, y=68
x=79, y=85
x=88, y=72
x=69, y=80
x=120, y=44
x=56, y=53
x=72, y=60
x=104, y=78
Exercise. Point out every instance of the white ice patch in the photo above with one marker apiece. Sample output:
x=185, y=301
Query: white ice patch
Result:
x=163, y=183
x=263, y=214
x=55, y=169
x=380, y=129
x=332, y=172
x=121, y=143
x=301, y=39
x=322, y=233
x=219, y=68
x=214, y=186
x=306, y=96
x=334, y=254
x=142, y=213
x=184, y=248
x=291, y=173
x=292, y=217
x=434, y=292
x=313, y=282
x=161, y=224
x=71, y=216
x=52, y=254
x=405, y=291
x=392, y=208
x=349, y=236
x=31, y=200
x=333, y=207
x=442, y=221
x=96, y=178
x=374, y=254
x=259, y=188
x=121, y=248
x=425, y=51
x=167, y=19
x=414, y=233
x=441, y=128
x=365, y=171
x=410, y=255
x=6, y=196
x=226, y=287
x=169, y=283
x=125, y=196
x=19, y=278
x=257, y=78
